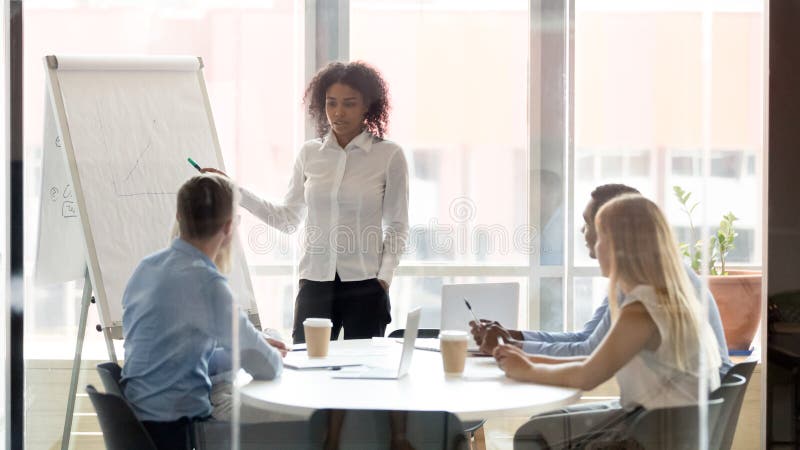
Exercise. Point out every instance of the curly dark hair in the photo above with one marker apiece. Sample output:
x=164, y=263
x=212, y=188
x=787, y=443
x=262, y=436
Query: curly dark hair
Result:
x=359, y=76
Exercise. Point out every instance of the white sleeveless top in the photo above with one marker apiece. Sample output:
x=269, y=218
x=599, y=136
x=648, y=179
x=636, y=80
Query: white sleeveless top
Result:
x=652, y=379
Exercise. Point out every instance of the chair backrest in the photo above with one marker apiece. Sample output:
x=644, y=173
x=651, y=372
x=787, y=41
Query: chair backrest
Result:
x=729, y=391
x=679, y=427
x=111, y=374
x=424, y=333
x=728, y=428
x=372, y=430
x=121, y=429
x=673, y=428
x=744, y=369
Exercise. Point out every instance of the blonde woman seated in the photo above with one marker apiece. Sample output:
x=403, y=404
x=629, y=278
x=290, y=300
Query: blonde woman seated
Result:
x=659, y=347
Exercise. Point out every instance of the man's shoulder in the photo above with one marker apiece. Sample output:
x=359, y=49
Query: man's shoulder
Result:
x=156, y=257
x=170, y=263
x=152, y=264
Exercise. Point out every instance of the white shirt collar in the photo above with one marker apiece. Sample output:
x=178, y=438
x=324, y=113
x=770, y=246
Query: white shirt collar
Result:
x=363, y=141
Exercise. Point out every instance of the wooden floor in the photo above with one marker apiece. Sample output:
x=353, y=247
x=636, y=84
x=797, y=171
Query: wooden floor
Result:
x=47, y=384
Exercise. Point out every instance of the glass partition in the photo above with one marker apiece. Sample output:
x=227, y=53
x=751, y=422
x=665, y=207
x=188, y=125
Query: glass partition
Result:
x=510, y=114
x=249, y=52
x=669, y=99
x=5, y=305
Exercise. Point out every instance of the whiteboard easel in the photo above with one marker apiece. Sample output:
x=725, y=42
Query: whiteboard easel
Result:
x=126, y=127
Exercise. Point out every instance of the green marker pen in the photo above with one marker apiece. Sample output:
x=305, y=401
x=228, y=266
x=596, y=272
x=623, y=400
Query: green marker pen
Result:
x=195, y=165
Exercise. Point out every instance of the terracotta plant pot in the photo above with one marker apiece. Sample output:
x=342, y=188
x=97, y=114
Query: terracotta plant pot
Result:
x=738, y=297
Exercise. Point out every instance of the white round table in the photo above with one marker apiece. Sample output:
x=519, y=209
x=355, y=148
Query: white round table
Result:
x=482, y=392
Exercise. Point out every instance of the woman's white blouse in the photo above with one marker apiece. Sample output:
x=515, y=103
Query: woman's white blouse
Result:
x=356, y=200
x=652, y=378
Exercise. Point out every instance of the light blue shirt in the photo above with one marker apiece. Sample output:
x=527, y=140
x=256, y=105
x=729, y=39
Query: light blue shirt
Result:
x=583, y=342
x=177, y=308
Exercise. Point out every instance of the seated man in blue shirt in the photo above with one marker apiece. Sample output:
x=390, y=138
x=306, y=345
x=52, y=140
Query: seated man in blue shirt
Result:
x=584, y=342
x=177, y=308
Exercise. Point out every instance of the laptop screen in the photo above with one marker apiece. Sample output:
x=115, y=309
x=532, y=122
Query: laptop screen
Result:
x=493, y=301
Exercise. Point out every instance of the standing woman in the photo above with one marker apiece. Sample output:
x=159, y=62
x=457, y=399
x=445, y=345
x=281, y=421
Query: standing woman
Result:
x=351, y=186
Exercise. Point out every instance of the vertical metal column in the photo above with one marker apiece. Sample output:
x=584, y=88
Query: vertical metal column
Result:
x=550, y=140
x=331, y=32
x=4, y=253
x=327, y=38
x=16, y=412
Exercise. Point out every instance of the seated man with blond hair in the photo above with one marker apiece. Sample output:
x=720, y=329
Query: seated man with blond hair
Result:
x=178, y=308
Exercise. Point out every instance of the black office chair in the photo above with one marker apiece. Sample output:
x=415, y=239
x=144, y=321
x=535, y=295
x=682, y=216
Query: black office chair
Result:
x=677, y=428
x=731, y=391
x=111, y=374
x=472, y=428
x=744, y=370
x=121, y=429
x=673, y=428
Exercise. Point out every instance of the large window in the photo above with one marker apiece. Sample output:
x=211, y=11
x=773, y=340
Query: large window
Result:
x=462, y=113
x=642, y=75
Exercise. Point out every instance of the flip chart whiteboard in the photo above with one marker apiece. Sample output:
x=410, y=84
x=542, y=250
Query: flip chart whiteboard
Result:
x=126, y=127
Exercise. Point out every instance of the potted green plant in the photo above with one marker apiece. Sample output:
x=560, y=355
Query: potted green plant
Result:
x=737, y=292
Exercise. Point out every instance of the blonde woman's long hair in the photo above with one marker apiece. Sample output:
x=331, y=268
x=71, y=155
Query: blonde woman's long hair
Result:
x=644, y=252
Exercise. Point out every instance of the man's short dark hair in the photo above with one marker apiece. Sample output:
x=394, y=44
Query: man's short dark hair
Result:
x=603, y=194
x=205, y=203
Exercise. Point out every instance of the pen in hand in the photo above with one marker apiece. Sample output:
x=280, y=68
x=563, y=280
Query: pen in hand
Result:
x=195, y=165
x=477, y=322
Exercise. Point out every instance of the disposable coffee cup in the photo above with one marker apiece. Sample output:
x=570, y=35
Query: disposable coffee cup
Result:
x=318, y=336
x=453, y=345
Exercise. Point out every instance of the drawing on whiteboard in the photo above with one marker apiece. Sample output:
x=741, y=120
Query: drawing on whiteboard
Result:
x=69, y=209
x=53, y=193
x=131, y=184
x=142, y=153
x=67, y=191
x=58, y=141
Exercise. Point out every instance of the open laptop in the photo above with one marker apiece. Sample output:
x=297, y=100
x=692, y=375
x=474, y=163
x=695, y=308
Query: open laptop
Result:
x=494, y=301
x=385, y=373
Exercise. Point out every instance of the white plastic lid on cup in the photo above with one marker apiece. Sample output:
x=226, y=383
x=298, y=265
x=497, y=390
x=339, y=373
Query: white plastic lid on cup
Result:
x=453, y=335
x=317, y=322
